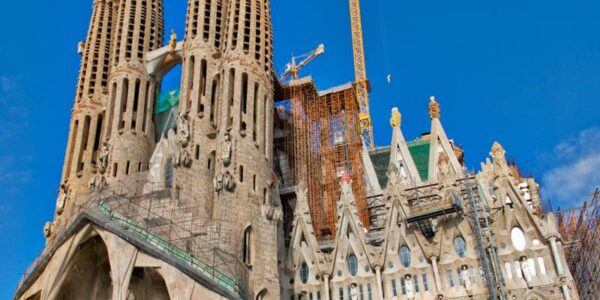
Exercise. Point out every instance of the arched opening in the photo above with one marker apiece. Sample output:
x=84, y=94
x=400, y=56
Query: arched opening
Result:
x=166, y=103
x=262, y=295
x=88, y=273
x=147, y=283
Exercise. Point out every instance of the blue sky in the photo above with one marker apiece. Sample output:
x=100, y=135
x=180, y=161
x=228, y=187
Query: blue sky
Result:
x=525, y=73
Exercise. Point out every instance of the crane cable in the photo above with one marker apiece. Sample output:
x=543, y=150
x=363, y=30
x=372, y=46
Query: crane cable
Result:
x=383, y=33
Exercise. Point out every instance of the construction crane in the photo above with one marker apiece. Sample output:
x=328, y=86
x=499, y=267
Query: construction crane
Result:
x=292, y=69
x=360, y=72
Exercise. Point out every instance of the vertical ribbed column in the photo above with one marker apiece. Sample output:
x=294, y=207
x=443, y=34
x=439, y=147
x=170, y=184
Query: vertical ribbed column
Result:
x=88, y=114
x=200, y=94
x=129, y=129
x=245, y=141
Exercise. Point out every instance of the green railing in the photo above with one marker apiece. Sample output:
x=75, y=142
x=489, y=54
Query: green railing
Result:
x=179, y=253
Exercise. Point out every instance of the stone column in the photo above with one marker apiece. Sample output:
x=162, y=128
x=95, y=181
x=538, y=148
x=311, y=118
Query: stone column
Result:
x=326, y=284
x=559, y=268
x=436, y=274
x=379, y=283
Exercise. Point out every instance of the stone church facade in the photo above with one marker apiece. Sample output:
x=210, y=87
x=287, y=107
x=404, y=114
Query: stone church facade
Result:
x=195, y=211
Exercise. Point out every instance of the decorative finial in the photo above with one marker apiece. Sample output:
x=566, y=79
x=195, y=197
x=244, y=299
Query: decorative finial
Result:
x=434, y=108
x=396, y=119
x=498, y=152
x=173, y=42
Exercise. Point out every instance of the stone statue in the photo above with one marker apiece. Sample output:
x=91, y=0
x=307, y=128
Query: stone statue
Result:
x=103, y=158
x=48, y=229
x=466, y=278
x=182, y=158
x=526, y=270
x=183, y=128
x=97, y=183
x=227, y=148
x=173, y=42
x=353, y=291
x=62, y=198
x=218, y=182
x=228, y=181
x=408, y=286
x=223, y=181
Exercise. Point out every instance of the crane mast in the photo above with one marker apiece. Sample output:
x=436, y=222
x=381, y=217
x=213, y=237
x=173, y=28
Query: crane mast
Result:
x=360, y=72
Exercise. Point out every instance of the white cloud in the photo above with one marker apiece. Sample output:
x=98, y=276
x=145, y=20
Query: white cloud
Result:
x=576, y=170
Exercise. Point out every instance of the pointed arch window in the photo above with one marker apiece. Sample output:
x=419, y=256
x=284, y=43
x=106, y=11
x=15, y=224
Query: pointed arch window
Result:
x=352, y=264
x=405, y=256
x=304, y=272
x=460, y=246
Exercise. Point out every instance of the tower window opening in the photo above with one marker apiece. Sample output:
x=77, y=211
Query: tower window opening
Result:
x=124, y=96
x=72, y=141
x=241, y=173
x=254, y=182
x=230, y=91
x=139, y=167
x=257, y=29
x=127, y=168
x=254, y=112
x=197, y=152
x=213, y=99
x=236, y=20
x=218, y=24
x=244, y=104
x=147, y=102
x=247, y=250
x=98, y=131
x=247, y=15
x=115, y=169
x=203, y=69
x=190, y=83
x=206, y=21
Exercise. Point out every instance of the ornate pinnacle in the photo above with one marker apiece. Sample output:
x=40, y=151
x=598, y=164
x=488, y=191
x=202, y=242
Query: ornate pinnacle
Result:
x=173, y=42
x=434, y=108
x=498, y=152
x=396, y=118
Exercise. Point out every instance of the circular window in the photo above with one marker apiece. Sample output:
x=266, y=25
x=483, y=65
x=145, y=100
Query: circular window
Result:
x=518, y=238
x=460, y=246
x=405, y=256
x=304, y=273
x=339, y=273
x=352, y=264
x=536, y=242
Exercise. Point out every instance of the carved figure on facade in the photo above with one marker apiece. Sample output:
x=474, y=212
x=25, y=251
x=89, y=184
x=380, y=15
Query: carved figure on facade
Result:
x=103, y=158
x=97, y=183
x=466, y=279
x=62, y=198
x=183, y=129
x=408, y=286
x=173, y=42
x=182, y=158
x=526, y=268
x=48, y=229
x=227, y=148
x=224, y=181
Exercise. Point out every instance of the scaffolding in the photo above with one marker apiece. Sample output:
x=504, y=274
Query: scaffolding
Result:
x=318, y=136
x=165, y=219
x=580, y=231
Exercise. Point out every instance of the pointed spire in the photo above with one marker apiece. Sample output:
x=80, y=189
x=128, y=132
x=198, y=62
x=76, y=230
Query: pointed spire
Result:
x=434, y=108
x=396, y=119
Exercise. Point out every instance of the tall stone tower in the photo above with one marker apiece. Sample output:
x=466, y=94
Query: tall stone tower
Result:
x=130, y=131
x=227, y=98
x=88, y=115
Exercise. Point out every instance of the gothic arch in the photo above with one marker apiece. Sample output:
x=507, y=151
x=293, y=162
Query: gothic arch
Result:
x=87, y=275
x=147, y=283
